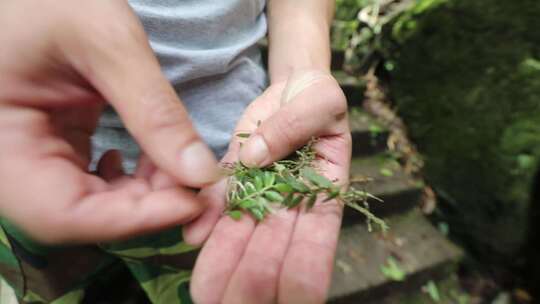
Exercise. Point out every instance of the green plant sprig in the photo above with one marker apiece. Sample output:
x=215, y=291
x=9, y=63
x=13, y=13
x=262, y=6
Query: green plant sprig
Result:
x=287, y=184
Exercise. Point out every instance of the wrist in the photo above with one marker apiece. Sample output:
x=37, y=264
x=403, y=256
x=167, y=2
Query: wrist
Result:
x=285, y=70
x=301, y=79
x=302, y=44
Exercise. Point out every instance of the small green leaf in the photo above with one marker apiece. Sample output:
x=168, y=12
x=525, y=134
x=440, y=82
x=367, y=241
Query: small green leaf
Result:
x=235, y=215
x=259, y=183
x=296, y=201
x=444, y=228
x=316, y=178
x=525, y=161
x=254, y=172
x=432, y=291
x=243, y=135
x=280, y=179
x=288, y=199
x=268, y=209
x=273, y=196
x=257, y=213
x=392, y=270
x=247, y=203
x=311, y=201
x=297, y=185
x=386, y=172
x=261, y=202
x=269, y=179
x=250, y=188
x=242, y=193
x=283, y=188
x=375, y=129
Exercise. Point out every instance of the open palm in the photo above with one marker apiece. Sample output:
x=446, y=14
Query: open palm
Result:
x=288, y=257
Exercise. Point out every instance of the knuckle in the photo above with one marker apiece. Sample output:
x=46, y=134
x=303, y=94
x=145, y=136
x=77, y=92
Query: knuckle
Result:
x=193, y=210
x=162, y=116
x=287, y=126
x=336, y=100
x=108, y=28
x=111, y=40
x=128, y=31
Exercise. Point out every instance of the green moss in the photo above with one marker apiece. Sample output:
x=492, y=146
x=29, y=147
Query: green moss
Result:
x=466, y=79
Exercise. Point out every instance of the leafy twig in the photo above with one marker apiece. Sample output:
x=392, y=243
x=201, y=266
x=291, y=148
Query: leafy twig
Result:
x=287, y=184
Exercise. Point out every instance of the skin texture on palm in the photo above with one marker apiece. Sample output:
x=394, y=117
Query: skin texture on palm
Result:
x=288, y=257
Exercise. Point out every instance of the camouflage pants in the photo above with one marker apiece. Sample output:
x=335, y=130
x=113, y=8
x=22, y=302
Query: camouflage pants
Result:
x=161, y=264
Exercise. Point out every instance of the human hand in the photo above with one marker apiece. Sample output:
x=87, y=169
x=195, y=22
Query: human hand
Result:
x=61, y=62
x=288, y=257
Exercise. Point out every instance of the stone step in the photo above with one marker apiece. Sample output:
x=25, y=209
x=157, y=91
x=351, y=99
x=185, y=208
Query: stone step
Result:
x=338, y=59
x=449, y=290
x=369, y=137
x=398, y=191
x=419, y=251
x=352, y=86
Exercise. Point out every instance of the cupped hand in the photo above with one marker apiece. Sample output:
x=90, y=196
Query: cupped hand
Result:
x=288, y=257
x=61, y=62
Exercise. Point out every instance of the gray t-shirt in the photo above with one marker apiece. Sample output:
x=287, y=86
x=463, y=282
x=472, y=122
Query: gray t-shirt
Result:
x=207, y=49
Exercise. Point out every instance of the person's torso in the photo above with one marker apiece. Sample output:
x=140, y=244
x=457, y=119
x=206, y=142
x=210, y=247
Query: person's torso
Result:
x=199, y=38
x=207, y=49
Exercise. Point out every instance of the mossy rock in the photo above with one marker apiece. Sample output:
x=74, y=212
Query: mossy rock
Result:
x=466, y=79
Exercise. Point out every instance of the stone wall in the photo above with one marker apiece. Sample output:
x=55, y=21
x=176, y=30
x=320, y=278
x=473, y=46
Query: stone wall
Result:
x=465, y=76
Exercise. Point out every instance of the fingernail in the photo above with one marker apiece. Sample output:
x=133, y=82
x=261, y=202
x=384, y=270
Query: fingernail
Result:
x=201, y=164
x=254, y=152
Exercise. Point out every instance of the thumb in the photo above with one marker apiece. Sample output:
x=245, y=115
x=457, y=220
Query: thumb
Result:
x=312, y=105
x=126, y=72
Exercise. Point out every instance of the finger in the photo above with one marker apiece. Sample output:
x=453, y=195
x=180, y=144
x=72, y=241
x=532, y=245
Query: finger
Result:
x=71, y=205
x=307, y=268
x=158, y=178
x=76, y=125
x=110, y=165
x=256, y=278
x=318, y=109
x=219, y=258
x=195, y=233
x=121, y=65
x=145, y=167
x=86, y=210
x=308, y=265
x=141, y=211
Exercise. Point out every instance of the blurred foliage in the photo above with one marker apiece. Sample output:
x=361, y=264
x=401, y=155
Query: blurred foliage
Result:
x=465, y=76
x=357, y=30
x=347, y=10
